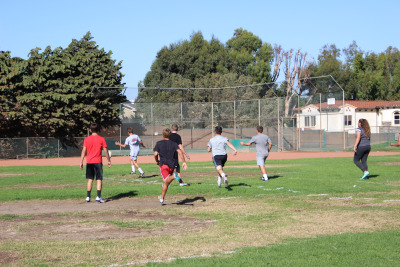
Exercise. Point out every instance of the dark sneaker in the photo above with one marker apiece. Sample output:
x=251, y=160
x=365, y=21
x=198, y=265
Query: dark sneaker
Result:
x=141, y=175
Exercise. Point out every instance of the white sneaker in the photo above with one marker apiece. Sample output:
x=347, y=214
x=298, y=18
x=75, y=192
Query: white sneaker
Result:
x=183, y=184
x=219, y=181
x=100, y=199
x=265, y=178
x=226, y=181
x=88, y=199
x=161, y=200
x=132, y=172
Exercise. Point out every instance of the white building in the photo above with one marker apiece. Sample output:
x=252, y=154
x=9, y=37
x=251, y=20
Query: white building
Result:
x=332, y=116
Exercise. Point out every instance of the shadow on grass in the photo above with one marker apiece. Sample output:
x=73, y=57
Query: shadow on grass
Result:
x=229, y=187
x=189, y=201
x=274, y=177
x=122, y=195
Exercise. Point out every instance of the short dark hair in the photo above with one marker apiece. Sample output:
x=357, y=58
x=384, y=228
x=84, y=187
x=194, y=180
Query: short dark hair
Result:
x=218, y=129
x=166, y=133
x=174, y=127
x=129, y=130
x=260, y=129
x=94, y=127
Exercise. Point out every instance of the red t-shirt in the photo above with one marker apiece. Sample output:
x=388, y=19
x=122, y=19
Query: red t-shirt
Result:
x=94, y=145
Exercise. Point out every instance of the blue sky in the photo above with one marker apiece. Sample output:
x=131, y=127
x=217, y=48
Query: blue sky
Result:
x=136, y=30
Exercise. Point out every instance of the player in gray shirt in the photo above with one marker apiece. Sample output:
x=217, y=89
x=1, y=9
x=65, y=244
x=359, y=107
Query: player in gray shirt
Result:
x=216, y=145
x=263, y=146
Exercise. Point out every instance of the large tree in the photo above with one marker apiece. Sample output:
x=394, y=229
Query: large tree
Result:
x=198, y=63
x=57, y=93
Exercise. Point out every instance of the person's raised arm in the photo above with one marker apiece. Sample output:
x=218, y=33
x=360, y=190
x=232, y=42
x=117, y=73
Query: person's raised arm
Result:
x=245, y=144
x=119, y=144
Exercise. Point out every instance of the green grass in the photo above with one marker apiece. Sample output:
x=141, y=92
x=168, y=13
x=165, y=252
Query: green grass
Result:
x=361, y=249
x=297, y=189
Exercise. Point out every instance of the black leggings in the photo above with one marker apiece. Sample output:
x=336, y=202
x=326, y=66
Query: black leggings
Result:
x=360, y=157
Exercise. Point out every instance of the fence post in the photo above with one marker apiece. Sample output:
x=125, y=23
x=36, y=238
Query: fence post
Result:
x=259, y=112
x=279, y=129
x=234, y=119
x=27, y=147
x=58, y=148
x=212, y=118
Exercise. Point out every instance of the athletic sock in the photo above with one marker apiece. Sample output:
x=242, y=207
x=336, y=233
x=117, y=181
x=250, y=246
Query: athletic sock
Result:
x=99, y=193
x=140, y=170
x=88, y=193
x=223, y=175
x=133, y=168
x=265, y=176
x=178, y=178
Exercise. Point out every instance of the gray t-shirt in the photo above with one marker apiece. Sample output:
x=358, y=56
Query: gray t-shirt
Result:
x=217, y=145
x=364, y=141
x=261, y=141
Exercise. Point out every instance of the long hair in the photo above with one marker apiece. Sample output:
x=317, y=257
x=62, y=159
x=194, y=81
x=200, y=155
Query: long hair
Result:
x=365, y=126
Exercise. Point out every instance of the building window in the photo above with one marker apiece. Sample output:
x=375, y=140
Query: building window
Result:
x=309, y=121
x=396, y=118
x=347, y=120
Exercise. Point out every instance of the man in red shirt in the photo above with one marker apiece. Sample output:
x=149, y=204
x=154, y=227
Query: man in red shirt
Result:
x=92, y=147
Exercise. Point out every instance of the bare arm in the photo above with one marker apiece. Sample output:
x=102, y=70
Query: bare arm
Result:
x=184, y=166
x=208, y=149
x=358, y=138
x=142, y=144
x=107, y=156
x=245, y=144
x=269, y=146
x=231, y=146
x=156, y=158
x=184, y=152
x=83, y=154
x=119, y=144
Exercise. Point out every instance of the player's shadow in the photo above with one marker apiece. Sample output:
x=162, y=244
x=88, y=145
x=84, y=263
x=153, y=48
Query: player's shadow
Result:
x=373, y=176
x=122, y=195
x=148, y=176
x=229, y=187
x=189, y=201
x=274, y=177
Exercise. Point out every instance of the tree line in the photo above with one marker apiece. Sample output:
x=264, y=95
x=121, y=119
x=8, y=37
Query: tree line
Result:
x=58, y=92
x=55, y=93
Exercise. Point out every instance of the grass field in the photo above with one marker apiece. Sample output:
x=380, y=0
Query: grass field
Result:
x=312, y=212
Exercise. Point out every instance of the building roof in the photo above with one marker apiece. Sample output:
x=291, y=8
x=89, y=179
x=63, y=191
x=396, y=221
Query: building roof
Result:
x=359, y=104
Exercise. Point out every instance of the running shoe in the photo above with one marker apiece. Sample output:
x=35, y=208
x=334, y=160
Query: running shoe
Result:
x=219, y=181
x=88, y=199
x=184, y=184
x=226, y=180
x=365, y=176
x=161, y=200
x=100, y=200
x=132, y=172
x=141, y=175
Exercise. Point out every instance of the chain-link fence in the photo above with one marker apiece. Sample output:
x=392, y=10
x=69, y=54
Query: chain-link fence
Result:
x=315, y=120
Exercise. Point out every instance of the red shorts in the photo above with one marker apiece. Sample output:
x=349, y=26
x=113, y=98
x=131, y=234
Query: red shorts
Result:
x=166, y=171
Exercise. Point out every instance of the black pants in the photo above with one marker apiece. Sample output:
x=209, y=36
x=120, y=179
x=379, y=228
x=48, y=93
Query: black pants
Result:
x=361, y=156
